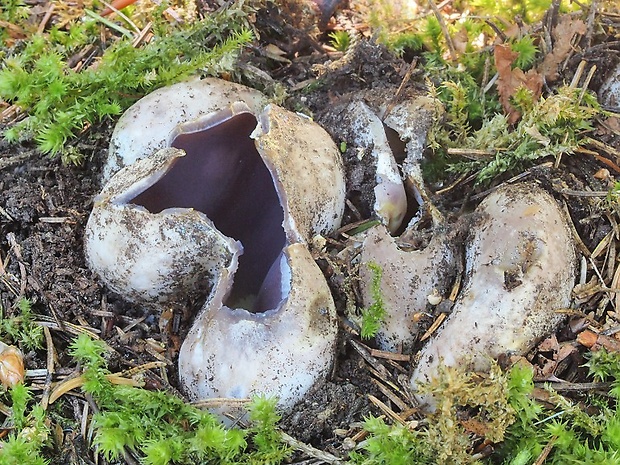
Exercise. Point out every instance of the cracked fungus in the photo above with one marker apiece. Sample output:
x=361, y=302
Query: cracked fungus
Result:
x=213, y=194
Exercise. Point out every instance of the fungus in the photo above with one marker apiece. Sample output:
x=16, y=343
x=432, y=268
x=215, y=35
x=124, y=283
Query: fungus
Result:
x=232, y=186
x=368, y=132
x=224, y=214
x=11, y=366
x=416, y=263
x=519, y=270
x=609, y=93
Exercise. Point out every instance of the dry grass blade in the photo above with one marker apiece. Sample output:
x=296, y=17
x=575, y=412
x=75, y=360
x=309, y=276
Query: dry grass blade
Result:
x=322, y=456
x=364, y=351
x=221, y=401
x=67, y=386
x=71, y=328
x=436, y=324
x=615, y=284
x=51, y=367
x=602, y=246
x=580, y=244
x=391, y=394
x=472, y=154
x=390, y=355
x=546, y=451
x=399, y=91
x=444, y=30
x=388, y=411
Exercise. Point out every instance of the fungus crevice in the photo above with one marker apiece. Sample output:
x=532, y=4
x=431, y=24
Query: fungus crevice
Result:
x=211, y=196
x=225, y=177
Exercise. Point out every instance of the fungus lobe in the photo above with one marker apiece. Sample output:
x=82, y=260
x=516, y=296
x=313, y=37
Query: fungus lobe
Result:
x=223, y=215
x=223, y=176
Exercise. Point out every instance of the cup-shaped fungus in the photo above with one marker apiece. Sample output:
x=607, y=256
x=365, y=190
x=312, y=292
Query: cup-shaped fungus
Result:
x=519, y=271
x=409, y=281
x=417, y=263
x=282, y=350
x=368, y=132
x=224, y=214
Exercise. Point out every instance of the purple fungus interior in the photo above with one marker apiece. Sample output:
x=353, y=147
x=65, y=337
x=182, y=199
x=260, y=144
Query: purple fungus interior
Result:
x=224, y=177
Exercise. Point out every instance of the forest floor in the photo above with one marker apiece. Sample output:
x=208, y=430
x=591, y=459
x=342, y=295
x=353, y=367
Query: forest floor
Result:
x=45, y=204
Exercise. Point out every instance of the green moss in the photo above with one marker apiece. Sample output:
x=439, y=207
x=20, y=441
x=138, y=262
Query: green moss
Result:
x=529, y=11
x=442, y=438
x=406, y=41
x=340, y=40
x=25, y=443
x=391, y=445
x=19, y=328
x=554, y=126
x=12, y=12
x=163, y=429
x=578, y=436
x=527, y=51
x=460, y=74
x=373, y=316
x=502, y=408
x=61, y=103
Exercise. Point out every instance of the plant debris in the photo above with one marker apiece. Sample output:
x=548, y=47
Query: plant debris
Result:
x=520, y=99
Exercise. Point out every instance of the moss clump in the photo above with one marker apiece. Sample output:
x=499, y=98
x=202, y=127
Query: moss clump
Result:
x=25, y=443
x=61, y=102
x=549, y=127
x=499, y=410
x=466, y=404
x=373, y=316
x=164, y=429
x=19, y=327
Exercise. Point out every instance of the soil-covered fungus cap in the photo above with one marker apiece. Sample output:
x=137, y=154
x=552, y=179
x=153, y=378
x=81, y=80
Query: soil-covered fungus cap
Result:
x=220, y=208
x=519, y=271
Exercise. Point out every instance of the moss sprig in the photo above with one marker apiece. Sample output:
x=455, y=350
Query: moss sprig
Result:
x=375, y=313
x=26, y=441
x=163, y=429
x=394, y=445
x=61, y=103
x=20, y=327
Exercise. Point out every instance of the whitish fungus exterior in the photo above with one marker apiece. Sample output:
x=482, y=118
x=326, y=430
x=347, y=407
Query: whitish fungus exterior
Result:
x=519, y=272
x=213, y=194
x=412, y=269
x=609, y=93
x=408, y=279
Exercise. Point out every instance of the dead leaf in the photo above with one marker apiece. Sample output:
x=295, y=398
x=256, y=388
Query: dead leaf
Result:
x=562, y=34
x=603, y=174
x=566, y=350
x=11, y=365
x=460, y=40
x=546, y=367
x=275, y=53
x=595, y=341
x=516, y=30
x=609, y=126
x=13, y=32
x=475, y=426
x=549, y=345
x=512, y=79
